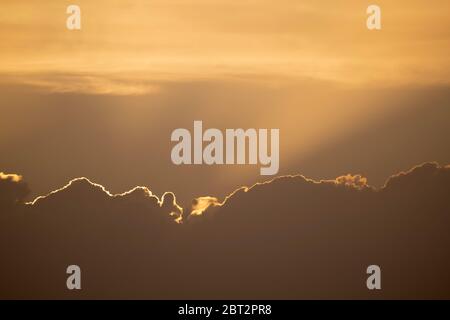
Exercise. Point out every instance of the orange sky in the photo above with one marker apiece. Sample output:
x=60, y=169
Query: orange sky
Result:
x=125, y=45
x=107, y=97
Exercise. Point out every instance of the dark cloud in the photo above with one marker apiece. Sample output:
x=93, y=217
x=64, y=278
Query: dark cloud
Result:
x=12, y=190
x=291, y=237
x=313, y=239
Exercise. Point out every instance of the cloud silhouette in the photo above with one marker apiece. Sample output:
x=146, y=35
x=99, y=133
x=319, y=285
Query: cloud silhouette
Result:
x=290, y=237
x=315, y=237
x=83, y=192
x=427, y=174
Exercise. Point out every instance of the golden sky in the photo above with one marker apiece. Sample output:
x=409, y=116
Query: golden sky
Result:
x=107, y=97
x=126, y=45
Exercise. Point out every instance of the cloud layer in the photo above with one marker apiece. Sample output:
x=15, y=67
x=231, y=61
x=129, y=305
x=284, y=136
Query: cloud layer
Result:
x=291, y=237
x=321, y=40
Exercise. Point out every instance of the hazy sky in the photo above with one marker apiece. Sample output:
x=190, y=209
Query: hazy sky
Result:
x=165, y=39
x=102, y=102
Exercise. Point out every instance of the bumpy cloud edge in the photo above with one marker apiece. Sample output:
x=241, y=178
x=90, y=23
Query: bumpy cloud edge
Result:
x=176, y=212
x=201, y=204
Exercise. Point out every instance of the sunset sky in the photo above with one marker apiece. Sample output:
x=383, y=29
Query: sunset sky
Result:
x=101, y=102
x=124, y=46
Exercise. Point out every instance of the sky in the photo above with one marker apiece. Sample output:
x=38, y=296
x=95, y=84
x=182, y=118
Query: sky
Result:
x=101, y=102
x=132, y=41
x=86, y=118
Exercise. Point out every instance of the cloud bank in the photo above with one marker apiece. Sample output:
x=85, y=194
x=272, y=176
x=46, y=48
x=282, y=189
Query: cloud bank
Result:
x=290, y=237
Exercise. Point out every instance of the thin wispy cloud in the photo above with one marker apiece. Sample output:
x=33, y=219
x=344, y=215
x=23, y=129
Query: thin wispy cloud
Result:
x=171, y=39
